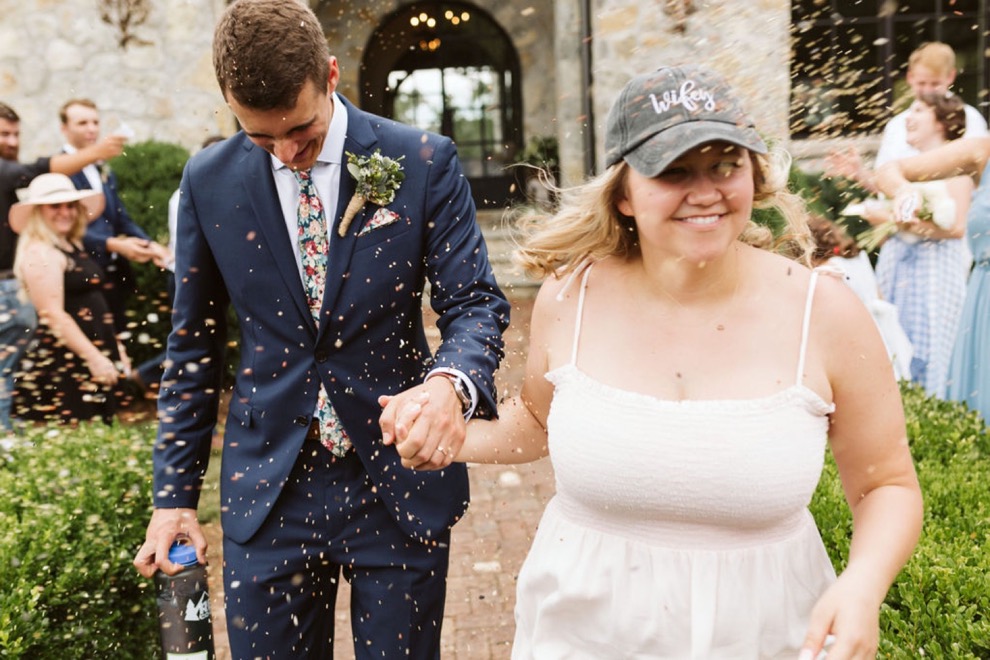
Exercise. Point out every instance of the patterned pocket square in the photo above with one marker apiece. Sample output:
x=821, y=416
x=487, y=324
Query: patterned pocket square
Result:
x=381, y=218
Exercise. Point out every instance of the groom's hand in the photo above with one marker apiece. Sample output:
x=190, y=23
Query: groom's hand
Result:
x=425, y=423
x=167, y=525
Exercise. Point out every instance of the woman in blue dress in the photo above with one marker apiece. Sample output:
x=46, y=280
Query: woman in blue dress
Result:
x=922, y=268
x=969, y=374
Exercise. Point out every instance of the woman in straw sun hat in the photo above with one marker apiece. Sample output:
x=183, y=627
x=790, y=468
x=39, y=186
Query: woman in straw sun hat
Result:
x=69, y=372
x=685, y=382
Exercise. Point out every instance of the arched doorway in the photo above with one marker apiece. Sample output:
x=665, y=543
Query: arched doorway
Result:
x=448, y=67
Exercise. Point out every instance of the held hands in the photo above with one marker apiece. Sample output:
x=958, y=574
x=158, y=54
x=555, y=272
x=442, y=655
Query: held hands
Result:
x=425, y=423
x=167, y=525
x=137, y=249
x=162, y=256
x=848, y=614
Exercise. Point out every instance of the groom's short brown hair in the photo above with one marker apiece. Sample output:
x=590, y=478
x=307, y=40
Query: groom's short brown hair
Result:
x=264, y=51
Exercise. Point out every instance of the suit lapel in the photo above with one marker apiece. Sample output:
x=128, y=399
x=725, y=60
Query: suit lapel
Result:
x=80, y=181
x=260, y=189
x=360, y=141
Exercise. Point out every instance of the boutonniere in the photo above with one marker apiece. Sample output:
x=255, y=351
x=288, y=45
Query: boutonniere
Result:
x=377, y=176
x=104, y=171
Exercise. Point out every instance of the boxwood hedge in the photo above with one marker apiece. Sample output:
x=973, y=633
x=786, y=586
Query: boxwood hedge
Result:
x=939, y=605
x=73, y=510
x=147, y=175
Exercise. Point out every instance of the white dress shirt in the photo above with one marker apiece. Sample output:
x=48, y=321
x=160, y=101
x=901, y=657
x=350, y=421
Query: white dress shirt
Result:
x=326, y=175
x=91, y=171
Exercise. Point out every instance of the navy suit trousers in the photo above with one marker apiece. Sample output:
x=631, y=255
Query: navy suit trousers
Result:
x=281, y=586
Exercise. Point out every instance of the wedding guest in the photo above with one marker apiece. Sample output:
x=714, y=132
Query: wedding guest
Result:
x=684, y=383
x=969, y=370
x=19, y=317
x=329, y=306
x=931, y=70
x=922, y=268
x=68, y=373
x=114, y=239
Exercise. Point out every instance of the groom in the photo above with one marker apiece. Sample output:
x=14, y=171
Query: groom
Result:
x=330, y=318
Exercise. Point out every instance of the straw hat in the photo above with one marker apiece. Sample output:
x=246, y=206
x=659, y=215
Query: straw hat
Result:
x=54, y=189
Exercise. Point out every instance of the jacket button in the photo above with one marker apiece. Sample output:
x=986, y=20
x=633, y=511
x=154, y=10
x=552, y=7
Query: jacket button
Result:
x=302, y=420
x=321, y=356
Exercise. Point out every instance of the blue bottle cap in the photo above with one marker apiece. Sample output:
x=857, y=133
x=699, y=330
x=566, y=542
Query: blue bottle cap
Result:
x=182, y=553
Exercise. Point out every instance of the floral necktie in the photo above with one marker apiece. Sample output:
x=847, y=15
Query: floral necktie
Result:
x=313, y=248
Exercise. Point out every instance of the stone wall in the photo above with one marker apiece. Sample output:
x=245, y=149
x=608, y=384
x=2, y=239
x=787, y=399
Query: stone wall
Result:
x=746, y=40
x=162, y=85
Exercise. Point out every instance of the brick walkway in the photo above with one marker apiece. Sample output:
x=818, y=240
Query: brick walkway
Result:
x=487, y=548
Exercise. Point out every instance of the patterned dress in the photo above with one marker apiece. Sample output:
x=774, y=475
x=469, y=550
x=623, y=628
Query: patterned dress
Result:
x=926, y=281
x=53, y=383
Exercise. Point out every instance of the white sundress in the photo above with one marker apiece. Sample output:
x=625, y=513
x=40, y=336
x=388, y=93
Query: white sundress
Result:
x=679, y=529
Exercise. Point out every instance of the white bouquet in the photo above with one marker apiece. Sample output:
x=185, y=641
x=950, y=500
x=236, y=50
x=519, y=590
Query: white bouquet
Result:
x=930, y=203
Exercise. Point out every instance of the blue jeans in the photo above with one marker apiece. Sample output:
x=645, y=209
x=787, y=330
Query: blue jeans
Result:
x=18, y=321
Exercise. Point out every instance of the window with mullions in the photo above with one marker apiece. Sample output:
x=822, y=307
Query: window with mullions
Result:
x=461, y=102
x=849, y=58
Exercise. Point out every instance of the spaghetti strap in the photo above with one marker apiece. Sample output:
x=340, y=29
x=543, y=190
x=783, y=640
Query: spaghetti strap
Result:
x=580, y=312
x=805, y=326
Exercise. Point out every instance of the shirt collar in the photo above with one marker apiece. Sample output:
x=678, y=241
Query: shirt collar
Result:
x=333, y=145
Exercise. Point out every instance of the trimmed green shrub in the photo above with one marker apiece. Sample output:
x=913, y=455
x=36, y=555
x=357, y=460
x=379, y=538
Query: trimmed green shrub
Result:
x=827, y=197
x=73, y=513
x=938, y=606
x=824, y=196
x=147, y=174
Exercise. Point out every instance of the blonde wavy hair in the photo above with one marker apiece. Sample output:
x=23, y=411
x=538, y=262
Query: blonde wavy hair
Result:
x=36, y=230
x=588, y=224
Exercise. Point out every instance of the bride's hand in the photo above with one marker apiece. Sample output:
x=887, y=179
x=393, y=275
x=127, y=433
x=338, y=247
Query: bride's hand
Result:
x=849, y=614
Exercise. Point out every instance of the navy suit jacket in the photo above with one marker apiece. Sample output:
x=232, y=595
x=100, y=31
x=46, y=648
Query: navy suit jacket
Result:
x=115, y=220
x=233, y=248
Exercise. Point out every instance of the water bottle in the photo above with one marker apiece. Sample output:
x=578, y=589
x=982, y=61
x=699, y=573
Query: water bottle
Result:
x=184, y=608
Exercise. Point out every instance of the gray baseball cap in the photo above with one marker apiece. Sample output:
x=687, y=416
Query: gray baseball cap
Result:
x=661, y=115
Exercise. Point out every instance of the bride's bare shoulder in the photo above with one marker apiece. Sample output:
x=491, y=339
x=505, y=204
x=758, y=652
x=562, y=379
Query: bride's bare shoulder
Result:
x=564, y=287
x=779, y=271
